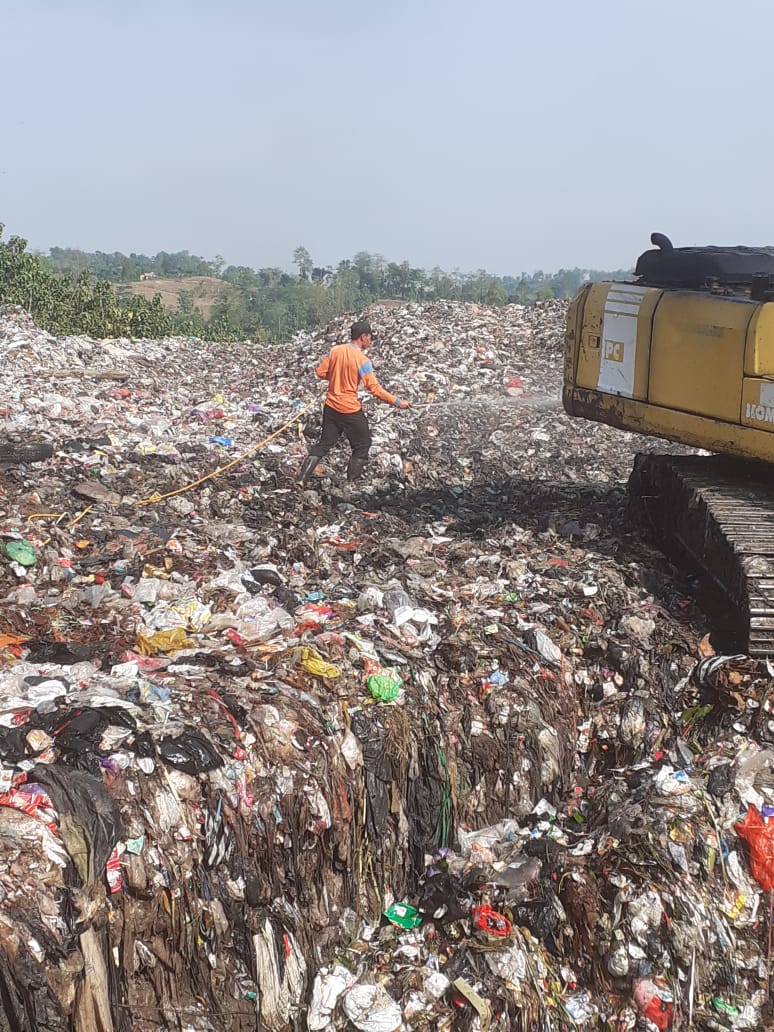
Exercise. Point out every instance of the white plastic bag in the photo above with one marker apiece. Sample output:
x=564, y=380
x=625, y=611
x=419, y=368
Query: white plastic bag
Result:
x=370, y=1008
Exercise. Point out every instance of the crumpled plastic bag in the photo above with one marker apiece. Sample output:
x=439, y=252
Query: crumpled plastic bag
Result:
x=190, y=752
x=311, y=660
x=351, y=750
x=21, y=552
x=399, y=604
x=580, y=1008
x=655, y=1002
x=370, y=599
x=255, y=620
x=541, y=643
x=149, y=590
x=281, y=985
x=384, y=683
x=370, y=1008
x=487, y=838
x=671, y=782
x=645, y=913
x=328, y=987
x=759, y=835
x=194, y=613
x=188, y=613
x=383, y=687
x=163, y=641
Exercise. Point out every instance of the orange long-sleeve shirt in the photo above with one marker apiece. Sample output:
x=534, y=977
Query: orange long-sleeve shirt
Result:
x=345, y=368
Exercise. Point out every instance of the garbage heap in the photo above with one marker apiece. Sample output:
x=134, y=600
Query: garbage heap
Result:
x=452, y=752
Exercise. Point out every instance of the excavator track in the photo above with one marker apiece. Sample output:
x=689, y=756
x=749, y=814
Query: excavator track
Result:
x=720, y=515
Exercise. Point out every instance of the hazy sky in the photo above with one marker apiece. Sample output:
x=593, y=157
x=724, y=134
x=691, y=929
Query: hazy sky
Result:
x=497, y=134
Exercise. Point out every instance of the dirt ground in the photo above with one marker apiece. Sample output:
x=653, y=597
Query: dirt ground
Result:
x=205, y=290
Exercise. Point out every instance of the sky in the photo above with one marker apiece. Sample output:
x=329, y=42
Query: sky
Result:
x=503, y=135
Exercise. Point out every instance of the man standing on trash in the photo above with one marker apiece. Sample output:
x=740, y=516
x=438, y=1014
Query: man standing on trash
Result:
x=345, y=368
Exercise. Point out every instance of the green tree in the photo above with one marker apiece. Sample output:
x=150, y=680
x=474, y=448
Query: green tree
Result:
x=303, y=260
x=72, y=291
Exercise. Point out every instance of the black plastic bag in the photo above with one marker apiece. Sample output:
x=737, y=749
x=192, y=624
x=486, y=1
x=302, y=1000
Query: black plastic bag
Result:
x=190, y=752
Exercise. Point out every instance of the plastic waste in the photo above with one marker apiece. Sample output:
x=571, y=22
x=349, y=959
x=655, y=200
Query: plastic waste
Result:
x=370, y=1008
x=436, y=985
x=163, y=641
x=255, y=620
x=580, y=1007
x=314, y=664
x=21, y=552
x=64, y=653
x=645, y=912
x=190, y=752
x=707, y=668
x=724, y=1008
x=759, y=835
x=383, y=687
x=399, y=605
x=327, y=989
x=403, y=915
x=721, y=780
x=541, y=643
x=478, y=1004
x=370, y=600
x=618, y=961
x=485, y=919
x=670, y=782
x=518, y=876
x=487, y=838
x=266, y=573
x=187, y=613
x=655, y=1002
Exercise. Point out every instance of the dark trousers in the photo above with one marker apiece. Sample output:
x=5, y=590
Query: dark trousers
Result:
x=354, y=426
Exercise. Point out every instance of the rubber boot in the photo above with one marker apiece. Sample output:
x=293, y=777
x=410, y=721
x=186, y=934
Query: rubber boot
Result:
x=355, y=468
x=308, y=467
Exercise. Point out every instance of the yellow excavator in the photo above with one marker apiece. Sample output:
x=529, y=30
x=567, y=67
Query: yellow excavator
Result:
x=685, y=351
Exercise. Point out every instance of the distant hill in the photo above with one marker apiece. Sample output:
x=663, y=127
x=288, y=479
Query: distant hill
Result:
x=204, y=291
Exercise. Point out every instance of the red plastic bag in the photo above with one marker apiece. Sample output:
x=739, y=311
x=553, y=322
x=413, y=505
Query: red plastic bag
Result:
x=487, y=920
x=655, y=1002
x=759, y=835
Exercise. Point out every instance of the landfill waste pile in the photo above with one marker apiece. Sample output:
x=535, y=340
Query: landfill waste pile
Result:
x=455, y=749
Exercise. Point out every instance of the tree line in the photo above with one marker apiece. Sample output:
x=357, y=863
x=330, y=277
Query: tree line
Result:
x=69, y=291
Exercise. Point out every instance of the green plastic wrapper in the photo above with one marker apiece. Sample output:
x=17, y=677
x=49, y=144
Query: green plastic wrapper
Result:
x=21, y=552
x=722, y=1007
x=402, y=914
x=382, y=687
